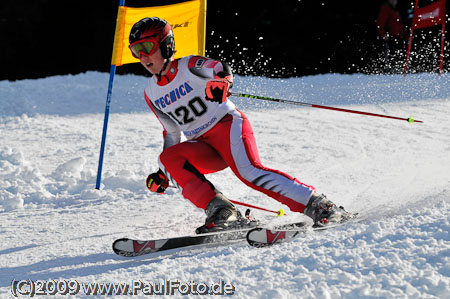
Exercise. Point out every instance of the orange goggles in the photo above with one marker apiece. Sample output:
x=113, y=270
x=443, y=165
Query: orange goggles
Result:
x=146, y=46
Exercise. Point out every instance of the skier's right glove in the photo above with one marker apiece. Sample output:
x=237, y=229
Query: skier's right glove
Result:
x=218, y=89
x=157, y=182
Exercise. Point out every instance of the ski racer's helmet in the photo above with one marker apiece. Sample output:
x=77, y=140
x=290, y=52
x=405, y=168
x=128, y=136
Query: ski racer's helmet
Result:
x=149, y=34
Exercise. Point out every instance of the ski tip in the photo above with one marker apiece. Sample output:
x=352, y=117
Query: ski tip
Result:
x=118, y=241
x=121, y=245
x=255, y=243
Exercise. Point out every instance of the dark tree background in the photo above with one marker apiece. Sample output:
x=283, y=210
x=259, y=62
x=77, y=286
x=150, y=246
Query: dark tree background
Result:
x=281, y=38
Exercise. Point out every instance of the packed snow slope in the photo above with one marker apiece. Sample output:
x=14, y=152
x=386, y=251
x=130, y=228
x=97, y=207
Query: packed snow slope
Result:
x=54, y=224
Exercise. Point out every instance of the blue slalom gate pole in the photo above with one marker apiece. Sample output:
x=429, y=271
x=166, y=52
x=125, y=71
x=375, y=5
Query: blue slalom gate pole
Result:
x=112, y=72
x=105, y=125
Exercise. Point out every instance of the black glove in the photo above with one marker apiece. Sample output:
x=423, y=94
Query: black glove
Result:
x=157, y=182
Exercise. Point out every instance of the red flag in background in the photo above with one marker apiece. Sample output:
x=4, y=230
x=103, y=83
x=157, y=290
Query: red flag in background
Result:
x=430, y=15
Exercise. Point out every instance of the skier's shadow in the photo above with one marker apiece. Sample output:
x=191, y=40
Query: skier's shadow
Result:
x=50, y=269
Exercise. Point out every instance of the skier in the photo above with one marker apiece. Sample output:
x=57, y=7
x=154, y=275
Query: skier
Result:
x=190, y=95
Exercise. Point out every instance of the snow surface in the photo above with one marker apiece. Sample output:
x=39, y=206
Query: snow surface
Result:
x=55, y=225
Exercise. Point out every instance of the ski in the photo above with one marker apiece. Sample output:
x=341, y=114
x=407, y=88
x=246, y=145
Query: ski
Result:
x=255, y=236
x=262, y=237
x=132, y=247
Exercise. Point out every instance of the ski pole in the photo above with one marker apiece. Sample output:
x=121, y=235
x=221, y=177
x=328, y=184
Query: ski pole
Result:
x=279, y=213
x=244, y=95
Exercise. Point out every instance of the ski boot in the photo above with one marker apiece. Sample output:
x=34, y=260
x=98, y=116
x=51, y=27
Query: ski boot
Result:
x=324, y=212
x=223, y=215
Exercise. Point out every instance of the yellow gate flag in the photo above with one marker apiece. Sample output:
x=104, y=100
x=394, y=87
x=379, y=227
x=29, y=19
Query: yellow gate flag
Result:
x=188, y=20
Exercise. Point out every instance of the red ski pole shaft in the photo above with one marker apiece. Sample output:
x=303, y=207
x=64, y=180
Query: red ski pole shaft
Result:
x=243, y=95
x=279, y=213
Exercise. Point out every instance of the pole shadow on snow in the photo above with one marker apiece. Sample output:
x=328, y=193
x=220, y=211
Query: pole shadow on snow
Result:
x=16, y=249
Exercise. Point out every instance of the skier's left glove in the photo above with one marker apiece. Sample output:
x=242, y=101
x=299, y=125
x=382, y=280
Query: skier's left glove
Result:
x=218, y=89
x=157, y=182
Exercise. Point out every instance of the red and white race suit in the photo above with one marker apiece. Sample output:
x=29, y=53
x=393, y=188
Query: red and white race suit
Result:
x=218, y=136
